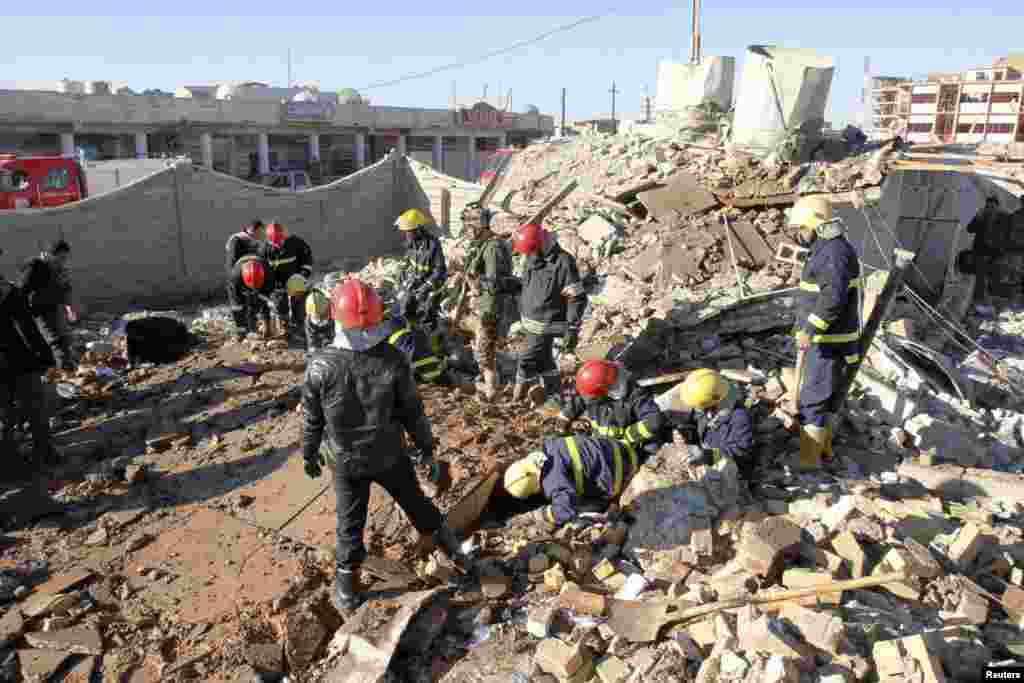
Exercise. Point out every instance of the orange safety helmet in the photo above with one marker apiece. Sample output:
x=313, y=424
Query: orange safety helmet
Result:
x=596, y=377
x=253, y=275
x=356, y=305
x=276, y=234
x=528, y=239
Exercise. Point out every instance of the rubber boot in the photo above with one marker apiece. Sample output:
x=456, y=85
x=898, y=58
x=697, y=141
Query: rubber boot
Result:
x=449, y=544
x=345, y=597
x=812, y=443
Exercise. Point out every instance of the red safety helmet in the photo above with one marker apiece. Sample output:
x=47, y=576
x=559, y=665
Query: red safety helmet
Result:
x=356, y=305
x=596, y=377
x=276, y=234
x=528, y=239
x=253, y=275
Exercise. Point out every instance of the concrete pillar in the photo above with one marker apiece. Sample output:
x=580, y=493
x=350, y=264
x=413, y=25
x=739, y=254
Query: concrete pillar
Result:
x=67, y=144
x=471, y=169
x=438, y=153
x=314, y=146
x=403, y=145
x=263, y=153
x=141, y=146
x=206, y=145
x=360, y=150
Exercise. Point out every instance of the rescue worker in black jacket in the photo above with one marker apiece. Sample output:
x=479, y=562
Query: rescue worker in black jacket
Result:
x=252, y=283
x=828, y=323
x=580, y=475
x=291, y=261
x=46, y=286
x=714, y=411
x=607, y=396
x=247, y=242
x=552, y=304
x=991, y=238
x=24, y=357
x=361, y=393
x=425, y=271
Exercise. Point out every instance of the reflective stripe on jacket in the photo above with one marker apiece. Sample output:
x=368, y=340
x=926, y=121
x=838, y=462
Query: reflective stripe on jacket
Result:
x=585, y=468
x=829, y=295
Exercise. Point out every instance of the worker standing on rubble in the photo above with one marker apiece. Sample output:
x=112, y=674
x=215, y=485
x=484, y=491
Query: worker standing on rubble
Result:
x=319, y=326
x=828, y=322
x=361, y=392
x=46, y=285
x=252, y=283
x=991, y=238
x=26, y=356
x=616, y=408
x=552, y=304
x=425, y=272
x=578, y=474
x=291, y=261
x=491, y=265
x=713, y=410
x=247, y=242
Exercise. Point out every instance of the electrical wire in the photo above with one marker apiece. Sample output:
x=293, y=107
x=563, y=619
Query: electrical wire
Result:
x=488, y=55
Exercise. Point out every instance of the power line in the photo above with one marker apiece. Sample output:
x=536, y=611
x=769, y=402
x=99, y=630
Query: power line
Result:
x=489, y=55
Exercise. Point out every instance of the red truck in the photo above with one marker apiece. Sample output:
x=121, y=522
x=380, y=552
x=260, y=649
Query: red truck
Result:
x=40, y=182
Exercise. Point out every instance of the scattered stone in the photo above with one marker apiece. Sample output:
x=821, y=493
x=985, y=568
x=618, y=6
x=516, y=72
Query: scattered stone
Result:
x=559, y=659
x=82, y=640
x=732, y=666
x=135, y=474
x=554, y=578
x=45, y=604
x=897, y=660
x=39, y=666
x=12, y=626
x=137, y=541
x=595, y=229
x=611, y=669
x=848, y=548
x=823, y=631
x=966, y=547
x=98, y=537
x=538, y=623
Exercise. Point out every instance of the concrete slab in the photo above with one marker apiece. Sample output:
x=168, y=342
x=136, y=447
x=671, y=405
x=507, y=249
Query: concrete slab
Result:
x=751, y=249
x=683, y=194
x=37, y=666
x=204, y=556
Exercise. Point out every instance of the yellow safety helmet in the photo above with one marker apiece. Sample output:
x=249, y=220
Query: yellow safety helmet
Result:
x=522, y=479
x=318, y=306
x=411, y=219
x=703, y=389
x=296, y=285
x=810, y=212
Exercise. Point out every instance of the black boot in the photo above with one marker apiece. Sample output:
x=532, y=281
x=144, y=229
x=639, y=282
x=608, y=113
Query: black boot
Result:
x=449, y=544
x=344, y=596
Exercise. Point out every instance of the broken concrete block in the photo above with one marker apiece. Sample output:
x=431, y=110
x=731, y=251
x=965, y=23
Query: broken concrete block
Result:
x=760, y=550
x=558, y=659
x=823, y=631
x=538, y=564
x=830, y=562
x=683, y=196
x=896, y=660
x=908, y=589
x=38, y=666
x=807, y=578
x=964, y=550
x=913, y=559
x=595, y=229
x=554, y=578
x=703, y=633
x=840, y=513
x=582, y=602
x=848, y=548
x=971, y=602
x=766, y=634
x=539, y=621
x=611, y=669
x=12, y=625
x=44, y=604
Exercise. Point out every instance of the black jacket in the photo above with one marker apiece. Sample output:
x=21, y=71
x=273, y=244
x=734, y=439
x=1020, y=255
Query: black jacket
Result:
x=635, y=419
x=828, y=295
x=293, y=257
x=553, y=298
x=269, y=283
x=44, y=286
x=583, y=469
x=22, y=348
x=362, y=399
x=425, y=265
x=240, y=244
x=991, y=231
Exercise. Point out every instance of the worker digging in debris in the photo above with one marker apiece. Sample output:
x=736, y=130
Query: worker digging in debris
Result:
x=46, y=285
x=424, y=273
x=26, y=355
x=319, y=326
x=615, y=407
x=291, y=261
x=361, y=392
x=828, y=323
x=491, y=267
x=991, y=230
x=247, y=242
x=713, y=411
x=581, y=476
x=552, y=304
x=253, y=283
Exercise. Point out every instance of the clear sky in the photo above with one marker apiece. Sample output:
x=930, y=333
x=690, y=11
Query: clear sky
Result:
x=338, y=46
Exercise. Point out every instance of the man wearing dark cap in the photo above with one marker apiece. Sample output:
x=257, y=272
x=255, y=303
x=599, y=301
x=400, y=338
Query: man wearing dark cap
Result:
x=47, y=287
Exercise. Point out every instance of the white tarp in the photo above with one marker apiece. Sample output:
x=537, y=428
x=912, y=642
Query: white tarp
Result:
x=688, y=85
x=782, y=89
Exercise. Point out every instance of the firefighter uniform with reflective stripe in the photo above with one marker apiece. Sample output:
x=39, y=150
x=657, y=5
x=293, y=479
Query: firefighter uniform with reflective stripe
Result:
x=293, y=257
x=828, y=314
x=635, y=419
x=583, y=473
x=727, y=432
x=552, y=304
x=414, y=344
x=239, y=245
x=425, y=273
x=319, y=333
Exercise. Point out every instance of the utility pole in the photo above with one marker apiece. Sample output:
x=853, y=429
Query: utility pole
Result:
x=563, y=111
x=614, y=91
x=695, y=36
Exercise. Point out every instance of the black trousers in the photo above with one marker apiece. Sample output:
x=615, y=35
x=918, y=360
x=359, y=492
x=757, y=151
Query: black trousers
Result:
x=23, y=397
x=537, y=359
x=53, y=326
x=352, y=487
x=245, y=307
x=290, y=308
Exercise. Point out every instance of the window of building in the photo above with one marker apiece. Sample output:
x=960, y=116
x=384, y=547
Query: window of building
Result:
x=999, y=76
x=56, y=179
x=1000, y=128
x=924, y=98
x=981, y=76
x=919, y=128
x=963, y=128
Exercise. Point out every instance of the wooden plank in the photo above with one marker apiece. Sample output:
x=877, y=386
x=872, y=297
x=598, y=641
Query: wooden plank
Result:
x=550, y=204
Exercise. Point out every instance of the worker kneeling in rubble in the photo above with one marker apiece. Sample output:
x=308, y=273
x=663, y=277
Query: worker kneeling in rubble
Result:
x=616, y=408
x=319, y=326
x=291, y=261
x=580, y=475
x=713, y=410
x=253, y=283
x=425, y=271
x=828, y=333
x=361, y=392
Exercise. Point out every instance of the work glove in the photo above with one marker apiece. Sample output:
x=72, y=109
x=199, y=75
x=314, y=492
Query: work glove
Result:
x=697, y=456
x=803, y=340
x=572, y=338
x=314, y=468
